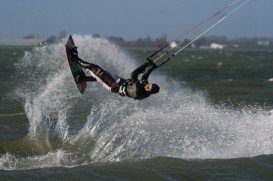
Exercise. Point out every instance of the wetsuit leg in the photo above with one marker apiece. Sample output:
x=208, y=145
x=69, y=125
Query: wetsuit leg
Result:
x=82, y=78
x=90, y=79
x=105, y=78
x=83, y=63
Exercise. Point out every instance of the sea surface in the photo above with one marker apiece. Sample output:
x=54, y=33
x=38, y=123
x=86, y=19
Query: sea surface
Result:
x=212, y=120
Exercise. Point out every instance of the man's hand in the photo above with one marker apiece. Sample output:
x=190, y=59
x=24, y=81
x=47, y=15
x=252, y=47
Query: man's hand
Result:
x=151, y=62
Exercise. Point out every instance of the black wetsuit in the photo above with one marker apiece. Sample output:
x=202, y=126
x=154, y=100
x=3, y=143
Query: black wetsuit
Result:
x=82, y=77
x=134, y=87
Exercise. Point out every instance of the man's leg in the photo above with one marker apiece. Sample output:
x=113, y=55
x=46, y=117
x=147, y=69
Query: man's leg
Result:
x=81, y=78
x=109, y=81
x=105, y=78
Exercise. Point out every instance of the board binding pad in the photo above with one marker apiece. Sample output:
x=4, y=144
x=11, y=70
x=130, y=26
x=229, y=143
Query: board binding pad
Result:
x=75, y=68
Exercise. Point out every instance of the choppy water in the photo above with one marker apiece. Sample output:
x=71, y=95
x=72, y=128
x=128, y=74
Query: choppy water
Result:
x=211, y=120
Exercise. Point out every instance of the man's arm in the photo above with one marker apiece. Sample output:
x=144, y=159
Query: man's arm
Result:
x=146, y=75
x=139, y=70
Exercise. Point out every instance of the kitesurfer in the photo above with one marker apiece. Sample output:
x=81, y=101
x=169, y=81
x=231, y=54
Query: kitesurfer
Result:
x=132, y=87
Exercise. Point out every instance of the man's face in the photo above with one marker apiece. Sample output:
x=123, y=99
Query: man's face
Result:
x=148, y=87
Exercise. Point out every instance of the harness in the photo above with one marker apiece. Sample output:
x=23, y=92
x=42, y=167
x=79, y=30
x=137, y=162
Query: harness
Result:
x=122, y=88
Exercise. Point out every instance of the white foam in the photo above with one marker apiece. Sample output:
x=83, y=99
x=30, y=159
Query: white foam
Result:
x=177, y=122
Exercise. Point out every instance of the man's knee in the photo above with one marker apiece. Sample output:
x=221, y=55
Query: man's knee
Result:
x=97, y=70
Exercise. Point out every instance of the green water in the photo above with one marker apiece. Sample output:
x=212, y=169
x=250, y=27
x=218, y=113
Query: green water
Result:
x=233, y=76
x=233, y=79
x=230, y=77
x=12, y=118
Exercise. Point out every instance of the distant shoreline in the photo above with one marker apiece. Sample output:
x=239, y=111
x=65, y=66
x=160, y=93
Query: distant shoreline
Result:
x=21, y=42
x=205, y=43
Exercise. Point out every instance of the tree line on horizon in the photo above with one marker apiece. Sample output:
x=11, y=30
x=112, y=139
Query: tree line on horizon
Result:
x=148, y=42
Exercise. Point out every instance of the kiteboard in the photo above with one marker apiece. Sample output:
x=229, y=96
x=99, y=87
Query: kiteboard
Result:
x=75, y=68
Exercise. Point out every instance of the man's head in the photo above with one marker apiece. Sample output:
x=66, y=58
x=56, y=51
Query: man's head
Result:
x=152, y=88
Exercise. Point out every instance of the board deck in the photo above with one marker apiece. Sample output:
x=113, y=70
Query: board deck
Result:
x=76, y=70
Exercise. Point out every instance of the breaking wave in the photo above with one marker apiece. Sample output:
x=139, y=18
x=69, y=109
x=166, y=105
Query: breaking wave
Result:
x=67, y=129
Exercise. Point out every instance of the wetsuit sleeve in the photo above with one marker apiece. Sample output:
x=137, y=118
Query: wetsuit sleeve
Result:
x=146, y=74
x=139, y=70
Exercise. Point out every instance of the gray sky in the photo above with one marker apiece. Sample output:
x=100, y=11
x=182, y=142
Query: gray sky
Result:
x=130, y=19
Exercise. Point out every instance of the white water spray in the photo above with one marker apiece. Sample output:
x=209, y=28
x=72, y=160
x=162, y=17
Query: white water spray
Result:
x=74, y=129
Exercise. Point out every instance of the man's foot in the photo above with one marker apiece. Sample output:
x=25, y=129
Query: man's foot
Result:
x=75, y=51
x=75, y=57
x=83, y=64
